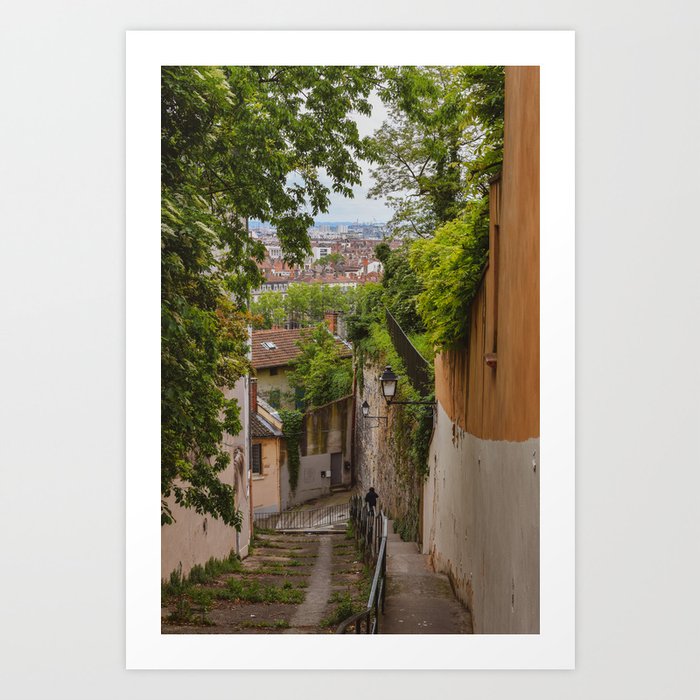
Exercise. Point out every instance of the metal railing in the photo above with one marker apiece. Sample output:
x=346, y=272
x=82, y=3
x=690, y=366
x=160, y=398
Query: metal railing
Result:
x=303, y=519
x=417, y=367
x=371, y=529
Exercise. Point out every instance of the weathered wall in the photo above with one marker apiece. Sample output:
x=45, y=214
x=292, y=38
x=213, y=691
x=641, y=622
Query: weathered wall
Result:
x=267, y=382
x=266, y=488
x=481, y=501
x=481, y=505
x=325, y=430
x=193, y=538
x=379, y=460
x=504, y=403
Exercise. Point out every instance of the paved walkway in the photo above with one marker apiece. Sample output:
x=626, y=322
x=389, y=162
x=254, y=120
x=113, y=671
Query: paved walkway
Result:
x=419, y=601
x=309, y=613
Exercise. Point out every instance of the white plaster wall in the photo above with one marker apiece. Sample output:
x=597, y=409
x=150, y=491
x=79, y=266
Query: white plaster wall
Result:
x=311, y=484
x=481, y=525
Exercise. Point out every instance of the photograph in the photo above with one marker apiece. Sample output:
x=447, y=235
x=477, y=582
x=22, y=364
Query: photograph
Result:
x=350, y=349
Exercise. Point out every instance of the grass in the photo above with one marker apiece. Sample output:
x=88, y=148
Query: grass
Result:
x=270, y=570
x=347, y=546
x=345, y=608
x=177, y=584
x=264, y=544
x=256, y=592
x=265, y=624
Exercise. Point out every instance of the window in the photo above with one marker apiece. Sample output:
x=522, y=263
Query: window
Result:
x=257, y=460
x=273, y=371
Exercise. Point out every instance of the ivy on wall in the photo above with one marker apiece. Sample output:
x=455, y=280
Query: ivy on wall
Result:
x=449, y=266
x=291, y=428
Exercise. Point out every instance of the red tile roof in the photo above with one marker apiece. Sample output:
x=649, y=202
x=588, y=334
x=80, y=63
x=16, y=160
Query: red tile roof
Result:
x=286, y=348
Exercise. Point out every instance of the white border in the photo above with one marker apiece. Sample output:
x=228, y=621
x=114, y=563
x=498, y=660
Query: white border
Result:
x=553, y=648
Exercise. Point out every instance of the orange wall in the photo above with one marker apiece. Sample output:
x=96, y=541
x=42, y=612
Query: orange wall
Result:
x=503, y=403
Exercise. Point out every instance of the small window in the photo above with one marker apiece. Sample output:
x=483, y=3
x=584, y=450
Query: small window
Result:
x=257, y=460
x=273, y=371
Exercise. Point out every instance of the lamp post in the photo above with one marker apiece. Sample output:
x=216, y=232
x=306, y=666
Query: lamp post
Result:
x=365, y=414
x=389, y=382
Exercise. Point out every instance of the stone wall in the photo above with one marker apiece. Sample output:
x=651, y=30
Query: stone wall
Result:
x=380, y=458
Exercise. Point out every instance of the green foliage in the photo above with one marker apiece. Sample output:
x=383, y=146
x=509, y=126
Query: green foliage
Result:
x=256, y=592
x=334, y=261
x=304, y=305
x=274, y=398
x=236, y=142
x=292, y=422
x=401, y=287
x=319, y=373
x=178, y=585
x=450, y=266
x=434, y=162
x=265, y=624
x=369, y=306
x=268, y=311
x=444, y=141
x=344, y=609
x=407, y=526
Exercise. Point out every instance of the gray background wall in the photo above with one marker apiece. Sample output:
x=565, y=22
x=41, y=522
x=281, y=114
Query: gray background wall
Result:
x=62, y=345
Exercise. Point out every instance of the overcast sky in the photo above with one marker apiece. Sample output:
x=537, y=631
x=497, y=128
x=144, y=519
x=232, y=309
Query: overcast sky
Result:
x=360, y=208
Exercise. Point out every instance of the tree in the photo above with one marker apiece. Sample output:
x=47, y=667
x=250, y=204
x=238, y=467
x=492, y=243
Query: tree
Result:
x=334, y=260
x=433, y=162
x=319, y=372
x=401, y=287
x=441, y=145
x=304, y=305
x=236, y=142
x=268, y=310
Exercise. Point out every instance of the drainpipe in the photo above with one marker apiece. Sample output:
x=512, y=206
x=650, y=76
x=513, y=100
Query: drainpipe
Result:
x=354, y=435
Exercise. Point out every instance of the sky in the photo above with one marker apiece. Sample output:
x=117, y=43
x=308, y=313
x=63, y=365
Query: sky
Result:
x=360, y=208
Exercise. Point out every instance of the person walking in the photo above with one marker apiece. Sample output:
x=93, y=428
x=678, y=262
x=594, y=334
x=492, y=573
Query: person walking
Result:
x=371, y=499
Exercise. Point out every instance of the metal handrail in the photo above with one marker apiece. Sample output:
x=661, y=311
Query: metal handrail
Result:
x=375, y=539
x=417, y=367
x=303, y=519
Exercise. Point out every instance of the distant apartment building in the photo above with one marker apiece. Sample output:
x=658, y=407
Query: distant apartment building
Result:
x=274, y=252
x=321, y=251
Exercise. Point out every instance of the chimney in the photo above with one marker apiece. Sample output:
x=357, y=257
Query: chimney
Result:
x=253, y=395
x=330, y=318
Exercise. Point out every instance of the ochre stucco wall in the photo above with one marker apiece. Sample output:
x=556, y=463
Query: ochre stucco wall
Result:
x=503, y=404
x=266, y=488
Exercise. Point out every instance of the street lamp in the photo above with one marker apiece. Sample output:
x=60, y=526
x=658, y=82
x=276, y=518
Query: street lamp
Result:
x=365, y=413
x=389, y=381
